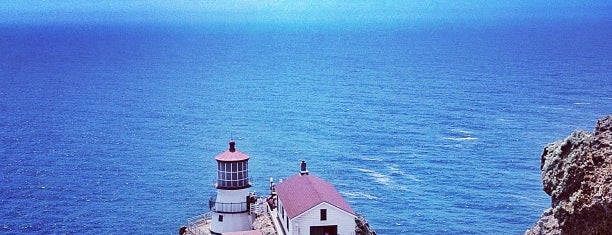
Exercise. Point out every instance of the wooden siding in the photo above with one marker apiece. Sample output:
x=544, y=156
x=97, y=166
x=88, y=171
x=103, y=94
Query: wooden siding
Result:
x=282, y=216
x=335, y=216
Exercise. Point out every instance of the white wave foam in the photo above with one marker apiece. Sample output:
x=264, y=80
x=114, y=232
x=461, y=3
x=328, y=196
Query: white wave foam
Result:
x=460, y=131
x=378, y=177
x=370, y=159
x=466, y=138
x=359, y=195
x=395, y=170
x=457, y=134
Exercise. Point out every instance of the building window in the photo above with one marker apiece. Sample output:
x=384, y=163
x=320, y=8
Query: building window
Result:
x=287, y=223
x=323, y=214
x=220, y=218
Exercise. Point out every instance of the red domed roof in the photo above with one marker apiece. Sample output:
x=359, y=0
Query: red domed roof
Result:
x=232, y=155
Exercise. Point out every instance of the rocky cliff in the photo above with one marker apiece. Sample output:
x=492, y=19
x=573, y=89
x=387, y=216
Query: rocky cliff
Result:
x=362, y=227
x=577, y=174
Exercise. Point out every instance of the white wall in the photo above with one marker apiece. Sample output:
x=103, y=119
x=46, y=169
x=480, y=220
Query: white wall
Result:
x=232, y=196
x=231, y=222
x=280, y=209
x=300, y=225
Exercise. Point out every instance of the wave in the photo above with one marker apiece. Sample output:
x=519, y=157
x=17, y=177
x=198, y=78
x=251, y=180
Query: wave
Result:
x=457, y=134
x=370, y=159
x=395, y=170
x=466, y=138
x=457, y=130
x=378, y=177
x=357, y=195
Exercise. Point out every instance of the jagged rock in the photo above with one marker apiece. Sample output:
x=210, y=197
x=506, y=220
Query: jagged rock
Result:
x=577, y=174
x=263, y=224
x=362, y=227
x=547, y=224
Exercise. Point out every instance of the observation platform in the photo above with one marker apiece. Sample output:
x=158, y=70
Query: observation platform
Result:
x=264, y=222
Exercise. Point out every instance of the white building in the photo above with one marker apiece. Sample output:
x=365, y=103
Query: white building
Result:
x=310, y=205
x=230, y=210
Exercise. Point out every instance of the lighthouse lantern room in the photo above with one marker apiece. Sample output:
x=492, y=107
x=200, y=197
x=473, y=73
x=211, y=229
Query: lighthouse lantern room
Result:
x=230, y=207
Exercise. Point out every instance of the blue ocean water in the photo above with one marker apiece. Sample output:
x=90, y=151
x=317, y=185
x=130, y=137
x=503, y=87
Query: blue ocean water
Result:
x=424, y=129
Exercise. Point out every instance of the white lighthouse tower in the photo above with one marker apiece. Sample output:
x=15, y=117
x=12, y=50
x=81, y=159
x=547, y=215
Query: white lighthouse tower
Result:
x=230, y=208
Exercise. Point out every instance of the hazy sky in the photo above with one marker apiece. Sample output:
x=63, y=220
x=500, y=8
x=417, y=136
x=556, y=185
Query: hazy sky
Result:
x=288, y=11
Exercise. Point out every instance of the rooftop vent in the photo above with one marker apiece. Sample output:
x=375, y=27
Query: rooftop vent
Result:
x=303, y=170
x=232, y=146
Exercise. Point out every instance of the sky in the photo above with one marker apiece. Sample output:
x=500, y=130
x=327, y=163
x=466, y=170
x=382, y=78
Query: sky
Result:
x=292, y=11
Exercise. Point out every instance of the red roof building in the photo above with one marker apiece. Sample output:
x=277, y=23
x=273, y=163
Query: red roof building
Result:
x=302, y=192
x=310, y=205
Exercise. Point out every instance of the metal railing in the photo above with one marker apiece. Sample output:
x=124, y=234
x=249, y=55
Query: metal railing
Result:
x=223, y=207
x=197, y=225
x=269, y=214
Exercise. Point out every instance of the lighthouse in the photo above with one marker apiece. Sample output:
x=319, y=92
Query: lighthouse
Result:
x=230, y=207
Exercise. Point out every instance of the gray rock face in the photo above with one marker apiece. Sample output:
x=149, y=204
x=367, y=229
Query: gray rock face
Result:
x=547, y=224
x=263, y=224
x=577, y=174
x=362, y=227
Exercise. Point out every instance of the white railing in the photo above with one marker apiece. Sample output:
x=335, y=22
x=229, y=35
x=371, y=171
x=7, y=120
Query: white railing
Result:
x=223, y=207
x=269, y=214
x=197, y=225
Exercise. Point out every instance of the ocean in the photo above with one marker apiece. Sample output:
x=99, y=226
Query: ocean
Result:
x=424, y=129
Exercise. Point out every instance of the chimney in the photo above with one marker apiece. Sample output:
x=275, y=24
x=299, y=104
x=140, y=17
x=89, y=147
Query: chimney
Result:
x=303, y=170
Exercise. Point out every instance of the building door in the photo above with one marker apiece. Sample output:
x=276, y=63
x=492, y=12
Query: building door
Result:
x=324, y=230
